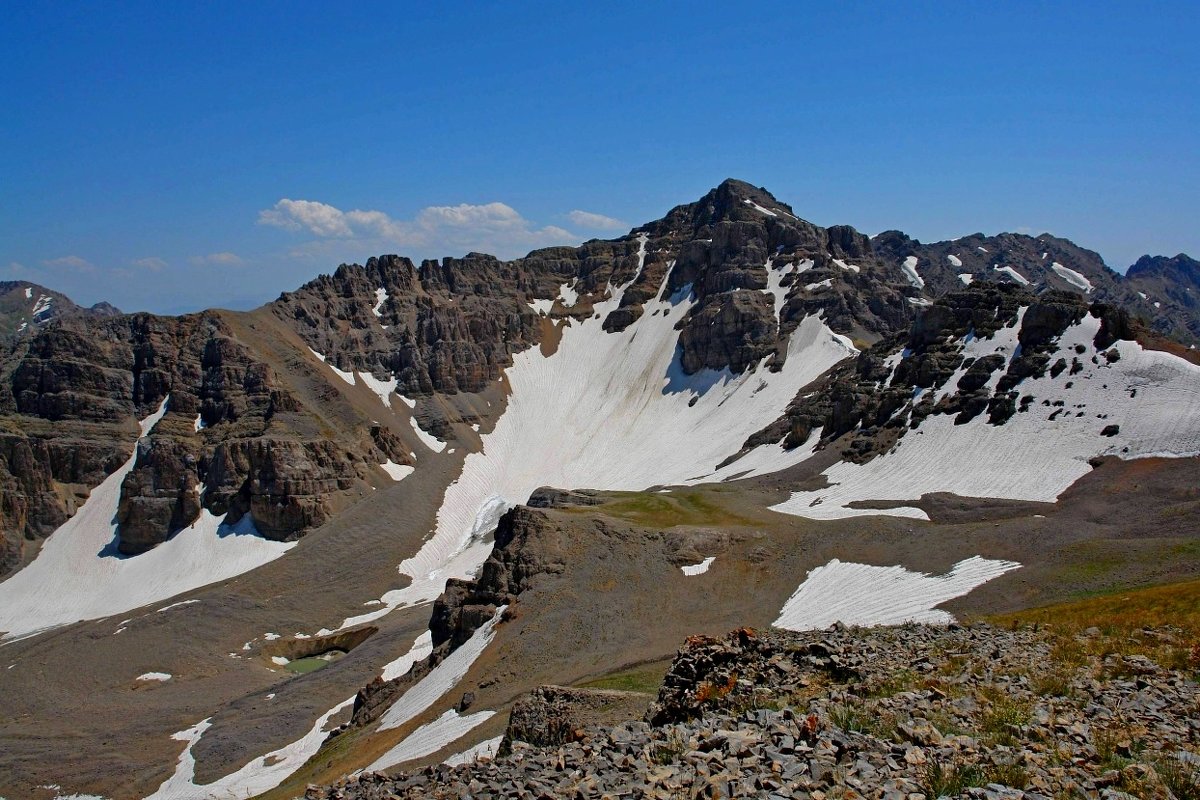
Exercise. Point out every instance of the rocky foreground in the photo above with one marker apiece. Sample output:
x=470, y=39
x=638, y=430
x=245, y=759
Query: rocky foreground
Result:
x=895, y=713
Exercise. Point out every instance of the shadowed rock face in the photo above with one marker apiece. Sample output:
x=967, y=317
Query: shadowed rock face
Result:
x=75, y=391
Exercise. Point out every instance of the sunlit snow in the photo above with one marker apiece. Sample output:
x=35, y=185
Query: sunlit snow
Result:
x=431, y=737
x=954, y=260
x=70, y=580
x=397, y=472
x=966, y=278
x=484, y=751
x=382, y=389
x=1013, y=274
x=420, y=650
x=154, y=676
x=1072, y=277
x=698, y=569
x=909, y=268
x=625, y=416
x=757, y=207
x=568, y=294
x=860, y=594
x=260, y=775
x=428, y=439
x=976, y=459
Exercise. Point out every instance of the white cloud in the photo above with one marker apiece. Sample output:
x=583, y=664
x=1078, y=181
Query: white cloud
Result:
x=152, y=263
x=17, y=268
x=222, y=259
x=321, y=219
x=595, y=222
x=436, y=230
x=74, y=262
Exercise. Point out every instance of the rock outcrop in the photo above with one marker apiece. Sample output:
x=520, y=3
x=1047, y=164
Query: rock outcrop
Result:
x=916, y=711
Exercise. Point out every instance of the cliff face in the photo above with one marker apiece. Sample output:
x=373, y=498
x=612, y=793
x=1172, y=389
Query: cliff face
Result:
x=234, y=441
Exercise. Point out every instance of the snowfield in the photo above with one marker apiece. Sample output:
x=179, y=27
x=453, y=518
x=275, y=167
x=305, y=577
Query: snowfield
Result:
x=71, y=581
x=625, y=416
x=859, y=594
x=1162, y=417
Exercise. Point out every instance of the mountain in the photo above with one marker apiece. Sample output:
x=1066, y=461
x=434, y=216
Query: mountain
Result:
x=26, y=307
x=445, y=484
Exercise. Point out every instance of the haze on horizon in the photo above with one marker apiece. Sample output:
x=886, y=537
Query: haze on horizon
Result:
x=172, y=159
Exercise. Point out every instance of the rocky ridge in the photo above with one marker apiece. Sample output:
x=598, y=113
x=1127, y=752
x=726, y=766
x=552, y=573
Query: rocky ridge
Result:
x=239, y=438
x=27, y=307
x=236, y=439
x=908, y=712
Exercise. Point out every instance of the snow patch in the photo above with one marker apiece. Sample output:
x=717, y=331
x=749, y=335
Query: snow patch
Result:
x=396, y=472
x=982, y=249
x=71, y=581
x=954, y=260
x=975, y=459
x=484, y=751
x=383, y=389
x=966, y=278
x=698, y=569
x=381, y=297
x=825, y=284
x=442, y=678
x=909, y=267
x=431, y=737
x=28, y=293
x=348, y=377
x=172, y=606
x=1013, y=275
x=1072, y=277
x=154, y=676
x=541, y=306
x=428, y=439
x=420, y=650
x=568, y=294
x=757, y=207
x=845, y=266
x=41, y=308
x=260, y=775
x=860, y=594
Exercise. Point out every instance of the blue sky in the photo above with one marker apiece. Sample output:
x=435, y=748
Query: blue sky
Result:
x=171, y=156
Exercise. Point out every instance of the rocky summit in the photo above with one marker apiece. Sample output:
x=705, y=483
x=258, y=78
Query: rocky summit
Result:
x=409, y=513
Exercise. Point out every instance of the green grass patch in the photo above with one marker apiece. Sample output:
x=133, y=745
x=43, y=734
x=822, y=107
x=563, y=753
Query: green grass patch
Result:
x=666, y=510
x=303, y=666
x=644, y=679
